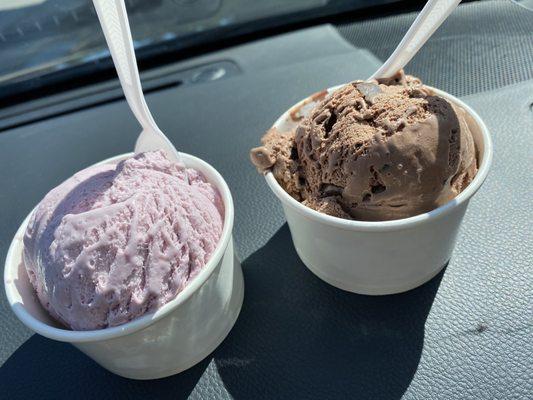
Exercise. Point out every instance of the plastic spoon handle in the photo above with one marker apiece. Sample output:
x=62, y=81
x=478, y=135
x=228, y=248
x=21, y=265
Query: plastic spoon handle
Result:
x=114, y=21
x=430, y=18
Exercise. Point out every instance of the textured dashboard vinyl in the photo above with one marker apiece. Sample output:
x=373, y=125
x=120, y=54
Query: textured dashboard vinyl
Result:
x=482, y=46
x=467, y=334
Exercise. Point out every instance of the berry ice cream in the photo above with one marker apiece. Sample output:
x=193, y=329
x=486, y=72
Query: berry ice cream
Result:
x=116, y=241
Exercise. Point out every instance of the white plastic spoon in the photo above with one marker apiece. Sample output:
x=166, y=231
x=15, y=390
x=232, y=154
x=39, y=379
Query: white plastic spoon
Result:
x=114, y=21
x=430, y=18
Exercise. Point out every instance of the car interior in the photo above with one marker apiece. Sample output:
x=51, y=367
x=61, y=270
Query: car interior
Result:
x=216, y=75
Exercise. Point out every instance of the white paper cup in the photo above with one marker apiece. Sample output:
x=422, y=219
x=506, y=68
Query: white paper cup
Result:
x=384, y=257
x=177, y=336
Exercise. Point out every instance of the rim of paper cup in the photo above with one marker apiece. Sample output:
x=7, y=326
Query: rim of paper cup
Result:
x=397, y=224
x=67, y=335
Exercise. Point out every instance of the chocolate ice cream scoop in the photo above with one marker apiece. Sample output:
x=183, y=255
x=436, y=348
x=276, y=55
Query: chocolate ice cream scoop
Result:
x=376, y=150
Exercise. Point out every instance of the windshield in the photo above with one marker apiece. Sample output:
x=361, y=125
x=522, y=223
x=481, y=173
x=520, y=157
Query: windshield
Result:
x=44, y=42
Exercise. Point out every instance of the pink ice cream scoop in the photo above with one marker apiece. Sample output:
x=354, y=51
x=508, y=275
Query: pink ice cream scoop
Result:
x=116, y=241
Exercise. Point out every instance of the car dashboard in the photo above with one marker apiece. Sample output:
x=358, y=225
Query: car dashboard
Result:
x=465, y=334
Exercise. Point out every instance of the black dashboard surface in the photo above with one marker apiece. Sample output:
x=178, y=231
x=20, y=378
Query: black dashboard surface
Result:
x=467, y=334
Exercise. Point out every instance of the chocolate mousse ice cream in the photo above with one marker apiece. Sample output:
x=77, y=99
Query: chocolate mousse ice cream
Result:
x=376, y=150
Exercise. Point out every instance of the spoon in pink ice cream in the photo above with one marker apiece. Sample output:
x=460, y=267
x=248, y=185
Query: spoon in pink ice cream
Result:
x=114, y=21
x=426, y=23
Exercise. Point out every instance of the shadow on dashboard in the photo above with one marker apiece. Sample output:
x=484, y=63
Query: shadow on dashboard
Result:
x=46, y=369
x=298, y=337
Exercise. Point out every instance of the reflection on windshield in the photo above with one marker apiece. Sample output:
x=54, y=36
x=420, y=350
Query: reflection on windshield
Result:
x=41, y=38
x=528, y=4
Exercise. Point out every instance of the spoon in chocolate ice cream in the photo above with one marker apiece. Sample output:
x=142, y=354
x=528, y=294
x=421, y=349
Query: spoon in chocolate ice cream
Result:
x=114, y=21
x=375, y=150
x=426, y=23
